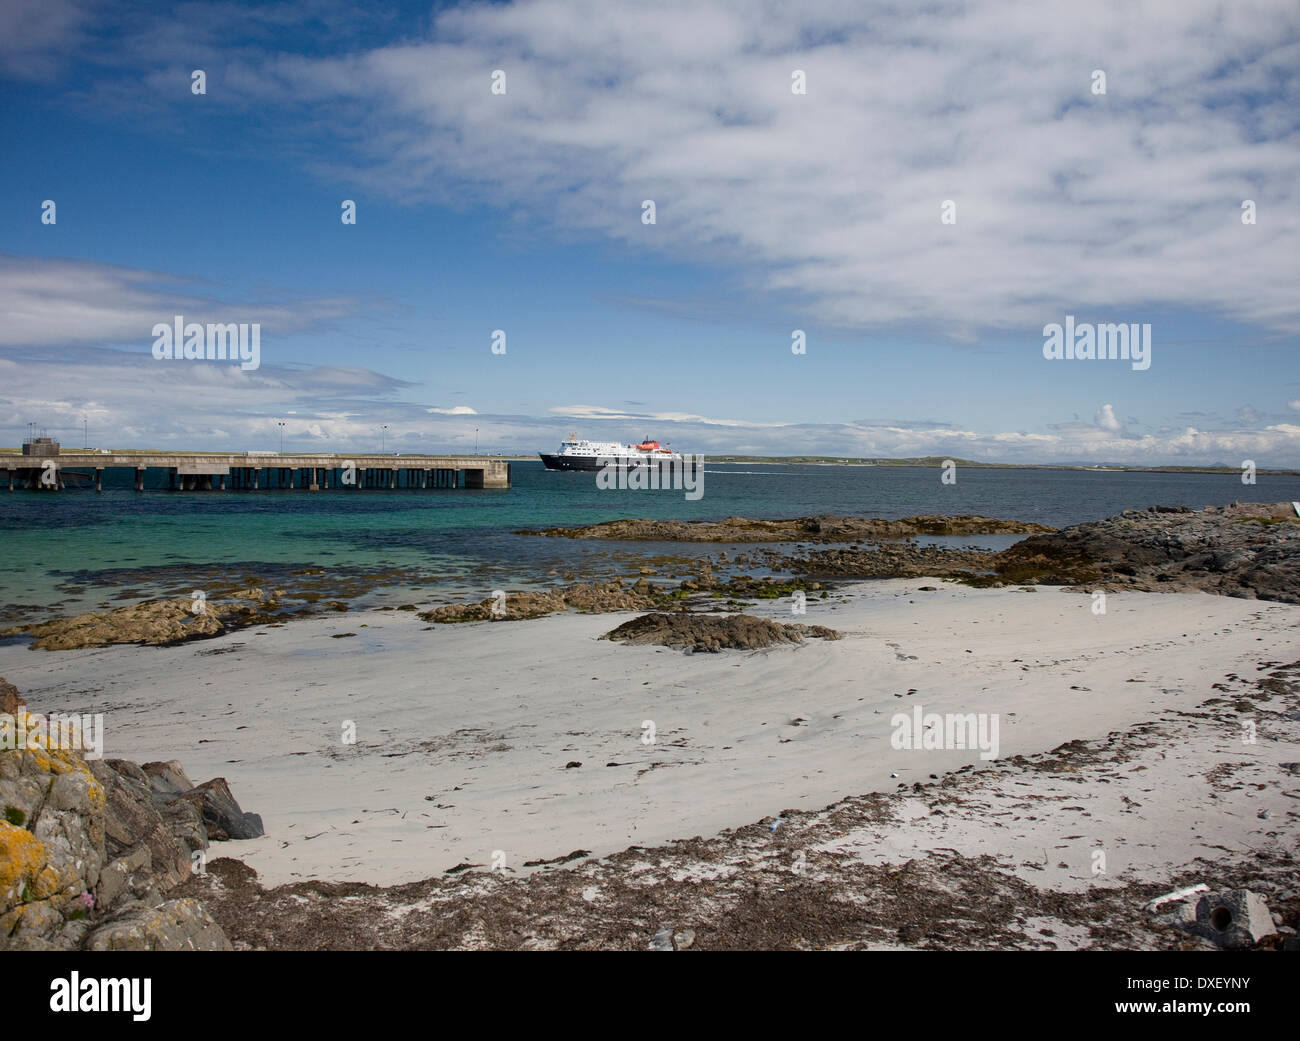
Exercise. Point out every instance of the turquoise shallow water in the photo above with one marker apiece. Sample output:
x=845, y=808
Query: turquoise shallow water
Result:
x=75, y=550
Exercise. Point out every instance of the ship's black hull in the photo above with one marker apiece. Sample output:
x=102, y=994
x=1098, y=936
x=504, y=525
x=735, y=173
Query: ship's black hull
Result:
x=570, y=462
x=594, y=463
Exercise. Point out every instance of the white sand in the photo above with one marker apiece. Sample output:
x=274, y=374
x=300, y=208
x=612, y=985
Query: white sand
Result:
x=464, y=731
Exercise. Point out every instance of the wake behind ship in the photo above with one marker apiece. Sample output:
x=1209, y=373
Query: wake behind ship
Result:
x=580, y=454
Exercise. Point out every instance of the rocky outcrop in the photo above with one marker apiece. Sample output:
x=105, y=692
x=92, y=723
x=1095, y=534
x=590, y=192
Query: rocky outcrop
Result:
x=825, y=528
x=512, y=608
x=220, y=813
x=1234, y=920
x=51, y=847
x=137, y=831
x=150, y=622
x=592, y=597
x=176, y=925
x=1246, y=550
x=891, y=560
x=713, y=633
x=89, y=850
x=10, y=700
x=604, y=597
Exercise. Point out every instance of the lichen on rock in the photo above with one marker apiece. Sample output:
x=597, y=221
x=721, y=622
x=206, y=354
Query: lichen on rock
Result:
x=88, y=848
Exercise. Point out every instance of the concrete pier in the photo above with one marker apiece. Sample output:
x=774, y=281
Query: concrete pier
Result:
x=306, y=472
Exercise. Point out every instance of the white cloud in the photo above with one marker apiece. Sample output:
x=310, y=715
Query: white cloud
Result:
x=594, y=412
x=343, y=410
x=1066, y=201
x=37, y=35
x=1106, y=419
x=55, y=302
x=458, y=410
x=602, y=413
x=1103, y=441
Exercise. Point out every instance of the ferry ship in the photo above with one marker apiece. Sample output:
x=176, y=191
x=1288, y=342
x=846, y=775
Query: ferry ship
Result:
x=581, y=454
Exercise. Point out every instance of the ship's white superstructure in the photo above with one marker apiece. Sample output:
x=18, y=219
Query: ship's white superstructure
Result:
x=580, y=454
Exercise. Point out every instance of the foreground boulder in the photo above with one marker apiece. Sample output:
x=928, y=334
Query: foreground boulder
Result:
x=89, y=849
x=174, y=925
x=221, y=814
x=1234, y=920
x=713, y=633
x=51, y=847
x=145, y=830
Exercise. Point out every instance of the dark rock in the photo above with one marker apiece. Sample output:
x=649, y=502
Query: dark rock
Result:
x=699, y=632
x=132, y=821
x=592, y=597
x=824, y=528
x=1235, y=919
x=1249, y=550
x=10, y=700
x=174, y=925
x=167, y=778
x=221, y=813
x=662, y=941
x=87, y=850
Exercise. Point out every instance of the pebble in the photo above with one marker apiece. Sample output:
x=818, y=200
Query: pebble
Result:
x=662, y=941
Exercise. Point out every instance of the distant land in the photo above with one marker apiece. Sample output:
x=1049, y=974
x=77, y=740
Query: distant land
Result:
x=939, y=460
x=807, y=460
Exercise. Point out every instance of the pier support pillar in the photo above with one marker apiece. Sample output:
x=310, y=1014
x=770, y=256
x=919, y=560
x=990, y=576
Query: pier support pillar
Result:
x=139, y=478
x=99, y=478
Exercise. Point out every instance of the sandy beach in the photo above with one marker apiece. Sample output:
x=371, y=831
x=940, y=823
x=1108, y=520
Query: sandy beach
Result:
x=466, y=734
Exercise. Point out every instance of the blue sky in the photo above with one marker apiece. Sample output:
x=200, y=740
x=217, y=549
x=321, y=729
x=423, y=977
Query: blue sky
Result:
x=775, y=212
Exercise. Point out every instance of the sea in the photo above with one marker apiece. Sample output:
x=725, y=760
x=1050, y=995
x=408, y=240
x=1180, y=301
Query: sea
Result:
x=77, y=550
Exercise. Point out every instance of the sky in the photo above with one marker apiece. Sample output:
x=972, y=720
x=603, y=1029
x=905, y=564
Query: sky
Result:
x=949, y=182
